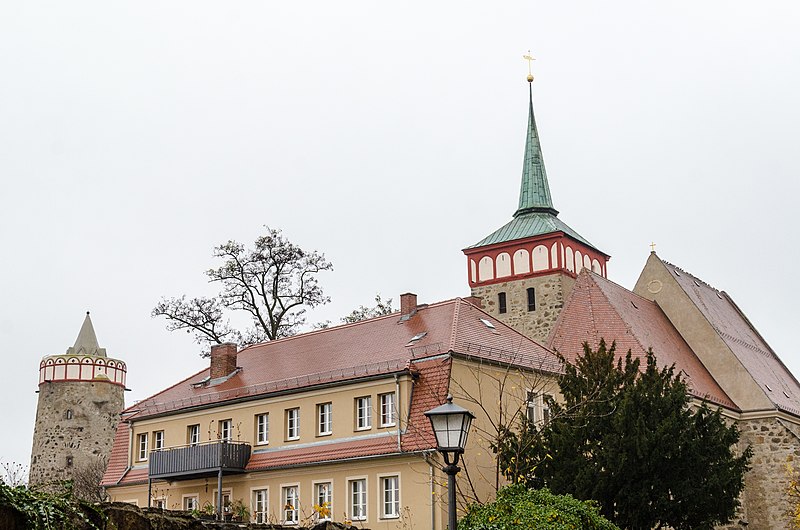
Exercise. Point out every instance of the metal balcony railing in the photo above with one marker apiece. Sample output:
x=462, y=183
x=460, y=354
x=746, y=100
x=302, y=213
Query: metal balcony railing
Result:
x=202, y=459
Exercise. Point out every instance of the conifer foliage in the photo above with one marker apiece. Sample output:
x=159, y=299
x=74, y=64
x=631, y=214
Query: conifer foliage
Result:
x=630, y=440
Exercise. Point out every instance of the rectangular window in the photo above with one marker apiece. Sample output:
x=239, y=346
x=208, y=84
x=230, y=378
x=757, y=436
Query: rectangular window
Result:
x=325, y=419
x=193, y=434
x=531, y=299
x=262, y=429
x=364, y=413
x=224, y=432
x=160, y=503
x=260, y=506
x=293, y=424
x=158, y=440
x=291, y=504
x=323, y=493
x=501, y=302
x=538, y=410
x=358, y=500
x=142, y=454
x=390, y=492
x=191, y=503
x=387, y=409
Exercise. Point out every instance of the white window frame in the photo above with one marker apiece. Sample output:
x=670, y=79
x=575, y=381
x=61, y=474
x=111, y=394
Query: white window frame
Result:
x=227, y=495
x=262, y=429
x=388, y=409
x=364, y=413
x=324, y=419
x=225, y=425
x=293, y=424
x=316, y=484
x=538, y=412
x=193, y=434
x=382, y=496
x=193, y=496
x=261, y=517
x=294, y=513
x=158, y=440
x=142, y=449
x=162, y=501
x=351, y=499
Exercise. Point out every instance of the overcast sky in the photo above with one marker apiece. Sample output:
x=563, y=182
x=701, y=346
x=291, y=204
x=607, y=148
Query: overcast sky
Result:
x=135, y=136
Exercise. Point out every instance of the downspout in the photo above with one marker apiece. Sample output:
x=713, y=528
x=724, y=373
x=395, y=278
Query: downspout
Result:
x=433, y=498
x=396, y=412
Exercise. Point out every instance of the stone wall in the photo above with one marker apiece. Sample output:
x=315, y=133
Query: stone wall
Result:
x=74, y=429
x=122, y=516
x=775, y=444
x=551, y=291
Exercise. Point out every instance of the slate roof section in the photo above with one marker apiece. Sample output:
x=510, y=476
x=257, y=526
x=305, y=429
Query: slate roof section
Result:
x=598, y=308
x=742, y=338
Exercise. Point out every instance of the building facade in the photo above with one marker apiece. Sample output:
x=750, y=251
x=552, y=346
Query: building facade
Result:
x=328, y=424
x=81, y=395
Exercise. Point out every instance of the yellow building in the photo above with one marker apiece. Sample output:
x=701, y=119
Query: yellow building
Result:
x=330, y=423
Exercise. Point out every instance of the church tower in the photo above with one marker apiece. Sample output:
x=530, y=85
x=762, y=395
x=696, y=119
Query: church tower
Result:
x=81, y=395
x=523, y=271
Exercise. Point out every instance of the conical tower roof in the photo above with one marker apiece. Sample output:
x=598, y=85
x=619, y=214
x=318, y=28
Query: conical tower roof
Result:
x=535, y=214
x=86, y=343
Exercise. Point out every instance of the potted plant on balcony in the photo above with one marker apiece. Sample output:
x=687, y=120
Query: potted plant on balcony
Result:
x=207, y=511
x=241, y=513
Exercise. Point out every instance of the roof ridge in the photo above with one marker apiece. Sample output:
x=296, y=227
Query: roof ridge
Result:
x=594, y=275
x=694, y=277
x=454, y=325
x=137, y=403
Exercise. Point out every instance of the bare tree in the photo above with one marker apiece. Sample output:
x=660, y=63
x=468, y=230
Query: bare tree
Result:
x=274, y=283
x=86, y=480
x=13, y=474
x=380, y=309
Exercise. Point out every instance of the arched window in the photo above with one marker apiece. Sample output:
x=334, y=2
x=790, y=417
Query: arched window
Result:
x=540, y=261
x=570, y=260
x=485, y=269
x=522, y=262
x=503, y=265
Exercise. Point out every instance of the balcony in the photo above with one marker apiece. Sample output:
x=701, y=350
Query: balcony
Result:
x=204, y=459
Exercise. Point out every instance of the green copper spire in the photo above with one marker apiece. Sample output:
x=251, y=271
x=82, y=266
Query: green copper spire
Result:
x=534, y=193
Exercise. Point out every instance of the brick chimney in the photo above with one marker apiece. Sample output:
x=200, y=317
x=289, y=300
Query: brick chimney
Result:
x=408, y=303
x=477, y=301
x=223, y=359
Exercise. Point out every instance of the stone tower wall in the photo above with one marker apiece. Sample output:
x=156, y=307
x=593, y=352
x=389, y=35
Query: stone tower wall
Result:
x=85, y=437
x=551, y=291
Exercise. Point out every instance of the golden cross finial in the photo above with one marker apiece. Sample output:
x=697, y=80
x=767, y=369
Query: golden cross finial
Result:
x=529, y=58
x=652, y=247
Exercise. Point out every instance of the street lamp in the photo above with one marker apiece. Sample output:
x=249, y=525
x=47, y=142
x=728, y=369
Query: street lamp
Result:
x=451, y=426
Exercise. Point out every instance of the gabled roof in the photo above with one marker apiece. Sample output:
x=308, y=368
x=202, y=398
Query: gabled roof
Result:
x=743, y=340
x=598, y=308
x=374, y=347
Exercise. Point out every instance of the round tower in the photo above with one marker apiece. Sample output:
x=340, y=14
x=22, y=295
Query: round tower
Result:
x=81, y=395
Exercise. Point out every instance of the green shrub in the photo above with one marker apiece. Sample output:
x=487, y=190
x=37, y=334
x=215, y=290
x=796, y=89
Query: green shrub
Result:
x=44, y=510
x=518, y=508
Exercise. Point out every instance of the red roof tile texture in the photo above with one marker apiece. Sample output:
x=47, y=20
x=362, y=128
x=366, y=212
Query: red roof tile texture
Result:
x=598, y=308
x=378, y=346
x=118, y=461
x=742, y=338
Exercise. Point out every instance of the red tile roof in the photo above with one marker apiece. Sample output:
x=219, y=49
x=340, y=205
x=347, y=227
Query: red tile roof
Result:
x=118, y=461
x=372, y=347
x=739, y=334
x=598, y=308
x=377, y=346
x=323, y=453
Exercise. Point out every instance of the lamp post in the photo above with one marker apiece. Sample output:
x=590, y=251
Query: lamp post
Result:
x=451, y=426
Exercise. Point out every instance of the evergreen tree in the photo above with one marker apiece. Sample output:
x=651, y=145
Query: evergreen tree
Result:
x=630, y=439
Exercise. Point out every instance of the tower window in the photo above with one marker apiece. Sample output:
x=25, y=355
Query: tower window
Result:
x=501, y=302
x=69, y=461
x=68, y=414
x=531, y=299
